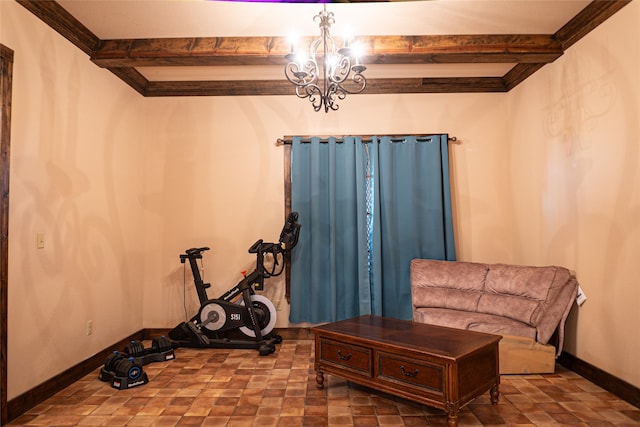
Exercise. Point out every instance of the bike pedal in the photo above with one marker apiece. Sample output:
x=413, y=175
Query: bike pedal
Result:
x=202, y=339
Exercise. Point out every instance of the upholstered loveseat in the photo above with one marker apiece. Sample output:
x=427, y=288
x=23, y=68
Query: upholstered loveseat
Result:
x=527, y=305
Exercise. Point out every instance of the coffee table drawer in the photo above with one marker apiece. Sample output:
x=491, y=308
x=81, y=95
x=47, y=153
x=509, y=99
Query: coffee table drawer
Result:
x=347, y=356
x=411, y=372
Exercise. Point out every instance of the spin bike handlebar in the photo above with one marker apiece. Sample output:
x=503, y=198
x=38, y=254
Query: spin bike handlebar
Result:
x=290, y=231
x=254, y=249
x=288, y=238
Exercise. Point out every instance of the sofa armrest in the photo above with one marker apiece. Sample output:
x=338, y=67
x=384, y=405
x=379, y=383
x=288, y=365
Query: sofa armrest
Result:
x=556, y=314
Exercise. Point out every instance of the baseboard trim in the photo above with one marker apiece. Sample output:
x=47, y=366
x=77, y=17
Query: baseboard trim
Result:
x=605, y=380
x=151, y=333
x=23, y=403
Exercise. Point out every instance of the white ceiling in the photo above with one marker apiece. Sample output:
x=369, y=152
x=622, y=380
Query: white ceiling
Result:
x=115, y=19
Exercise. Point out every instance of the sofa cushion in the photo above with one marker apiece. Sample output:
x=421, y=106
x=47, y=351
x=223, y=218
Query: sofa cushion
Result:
x=446, y=284
x=480, y=322
x=520, y=292
x=513, y=307
x=448, y=298
x=448, y=274
x=522, y=281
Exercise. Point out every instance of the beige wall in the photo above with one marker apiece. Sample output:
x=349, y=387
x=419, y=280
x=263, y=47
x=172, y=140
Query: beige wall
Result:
x=575, y=171
x=216, y=179
x=121, y=185
x=76, y=163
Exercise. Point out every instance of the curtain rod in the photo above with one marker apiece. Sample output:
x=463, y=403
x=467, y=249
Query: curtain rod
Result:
x=288, y=139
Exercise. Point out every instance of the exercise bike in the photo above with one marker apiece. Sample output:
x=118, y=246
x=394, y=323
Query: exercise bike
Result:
x=240, y=308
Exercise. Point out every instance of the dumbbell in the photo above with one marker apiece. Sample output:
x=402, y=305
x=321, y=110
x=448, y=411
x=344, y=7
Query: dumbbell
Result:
x=123, y=366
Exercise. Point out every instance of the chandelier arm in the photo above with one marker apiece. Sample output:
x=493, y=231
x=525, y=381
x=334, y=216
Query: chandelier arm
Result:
x=359, y=80
x=302, y=73
x=334, y=92
x=313, y=92
x=316, y=98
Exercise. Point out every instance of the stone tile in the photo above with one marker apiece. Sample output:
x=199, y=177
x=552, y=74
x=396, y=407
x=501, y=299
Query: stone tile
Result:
x=220, y=387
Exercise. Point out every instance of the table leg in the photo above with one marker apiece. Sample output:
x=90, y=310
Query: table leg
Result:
x=452, y=413
x=452, y=420
x=320, y=379
x=495, y=394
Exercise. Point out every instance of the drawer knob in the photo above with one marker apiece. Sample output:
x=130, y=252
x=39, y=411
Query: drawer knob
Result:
x=347, y=357
x=409, y=374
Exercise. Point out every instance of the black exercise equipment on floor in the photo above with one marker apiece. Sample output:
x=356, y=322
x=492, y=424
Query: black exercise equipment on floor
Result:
x=161, y=350
x=240, y=308
x=124, y=370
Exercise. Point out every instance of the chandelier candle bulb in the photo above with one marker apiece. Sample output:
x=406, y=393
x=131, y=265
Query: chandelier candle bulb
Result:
x=347, y=35
x=293, y=40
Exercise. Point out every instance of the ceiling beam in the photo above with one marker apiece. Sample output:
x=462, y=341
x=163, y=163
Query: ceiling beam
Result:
x=283, y=87
x=133, y=78
x=225, y=51
x=518, y=74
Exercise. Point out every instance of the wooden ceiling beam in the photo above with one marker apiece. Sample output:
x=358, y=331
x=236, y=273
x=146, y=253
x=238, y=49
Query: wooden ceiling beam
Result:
x=133, y=78
x=283, y=87
x=519, y=73
x=225, y=51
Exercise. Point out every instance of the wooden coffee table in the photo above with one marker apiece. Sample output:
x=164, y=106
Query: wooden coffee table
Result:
x=441, y=367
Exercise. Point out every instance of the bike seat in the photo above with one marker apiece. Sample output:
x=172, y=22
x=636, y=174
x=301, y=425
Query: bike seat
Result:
x=196, y=250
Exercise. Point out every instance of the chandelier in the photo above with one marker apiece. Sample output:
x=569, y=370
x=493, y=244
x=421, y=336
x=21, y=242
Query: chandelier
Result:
x=339, y=70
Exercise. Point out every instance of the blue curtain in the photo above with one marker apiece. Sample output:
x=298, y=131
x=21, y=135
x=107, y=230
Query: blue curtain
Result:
x=367, y=209
x=327, y=270
x=412, y=215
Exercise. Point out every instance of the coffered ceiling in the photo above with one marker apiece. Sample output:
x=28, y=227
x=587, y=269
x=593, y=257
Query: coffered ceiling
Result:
x=229, y=48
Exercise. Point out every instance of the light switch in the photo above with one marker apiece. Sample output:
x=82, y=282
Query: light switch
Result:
x=40, y=240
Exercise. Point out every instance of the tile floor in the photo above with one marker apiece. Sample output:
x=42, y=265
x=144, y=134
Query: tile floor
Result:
x=240, y=388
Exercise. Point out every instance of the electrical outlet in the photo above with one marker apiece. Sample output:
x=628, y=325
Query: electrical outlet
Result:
x=89, y=327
